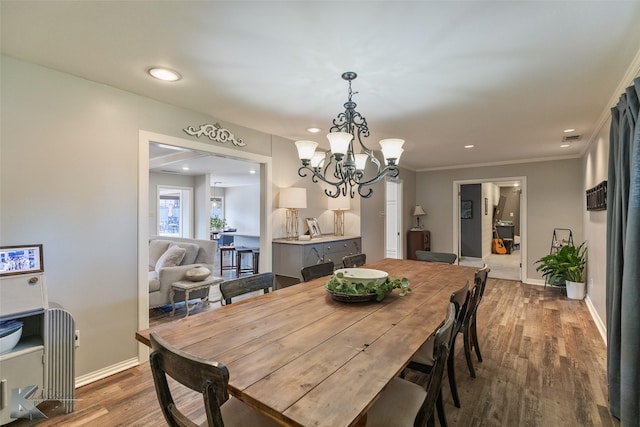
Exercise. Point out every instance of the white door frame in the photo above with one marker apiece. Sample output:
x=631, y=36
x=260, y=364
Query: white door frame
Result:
x=399, y=225
x=266, y=235
x=523, y=216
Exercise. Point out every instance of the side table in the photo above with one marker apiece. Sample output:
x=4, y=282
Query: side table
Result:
x=187, y=286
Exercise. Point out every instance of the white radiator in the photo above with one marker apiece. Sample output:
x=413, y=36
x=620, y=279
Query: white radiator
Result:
x=59, y=366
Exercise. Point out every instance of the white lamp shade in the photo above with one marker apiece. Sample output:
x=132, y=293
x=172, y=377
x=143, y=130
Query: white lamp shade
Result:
x=340, y=203
x=418, y=211
x=392, y=148
x=361, y=161
x=306, y=149
x=317, y=161
x=339, y=142
x=293, y=197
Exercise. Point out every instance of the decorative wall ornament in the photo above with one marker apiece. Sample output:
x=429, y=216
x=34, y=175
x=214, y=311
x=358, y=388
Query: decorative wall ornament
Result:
x=215, y=133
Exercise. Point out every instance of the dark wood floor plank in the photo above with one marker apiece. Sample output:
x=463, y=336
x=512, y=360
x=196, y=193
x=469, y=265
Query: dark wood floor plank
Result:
x=544, y=365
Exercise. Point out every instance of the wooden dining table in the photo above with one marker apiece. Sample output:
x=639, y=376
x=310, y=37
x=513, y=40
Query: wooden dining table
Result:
x=304, y=359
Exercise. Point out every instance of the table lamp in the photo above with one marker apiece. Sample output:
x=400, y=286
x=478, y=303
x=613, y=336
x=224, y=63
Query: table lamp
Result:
x=292, y=199
x=418, y=212
x=338, y=205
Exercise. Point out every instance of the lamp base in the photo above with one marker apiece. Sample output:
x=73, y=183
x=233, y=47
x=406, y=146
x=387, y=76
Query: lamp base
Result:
x=338, y=223
x=292, y=224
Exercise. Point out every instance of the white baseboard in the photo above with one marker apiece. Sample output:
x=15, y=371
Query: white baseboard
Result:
x=596, y=318
x=105, y=372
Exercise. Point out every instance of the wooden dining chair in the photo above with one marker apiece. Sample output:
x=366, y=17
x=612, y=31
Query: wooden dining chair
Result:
x=246, y=284
x=423, y=359
x=209, y=378
x=317, y=270
x=404, y=403
x=355, y=260
x=469, y=329
x=436, y=256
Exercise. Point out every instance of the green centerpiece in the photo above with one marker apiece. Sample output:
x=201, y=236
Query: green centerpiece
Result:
x=364, y=284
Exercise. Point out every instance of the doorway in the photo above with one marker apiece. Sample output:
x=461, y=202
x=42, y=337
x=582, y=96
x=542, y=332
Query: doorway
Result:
x=486, y=210
x=393, y=219
x=145, y=139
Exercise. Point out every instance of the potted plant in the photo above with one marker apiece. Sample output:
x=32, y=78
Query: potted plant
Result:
x=218, y=224
x=566, y=267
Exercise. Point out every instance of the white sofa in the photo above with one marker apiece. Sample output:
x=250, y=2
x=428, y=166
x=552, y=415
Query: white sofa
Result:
x=169, y=259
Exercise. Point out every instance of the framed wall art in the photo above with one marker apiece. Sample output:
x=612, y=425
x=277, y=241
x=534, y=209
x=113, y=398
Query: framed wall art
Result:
x=23, y=259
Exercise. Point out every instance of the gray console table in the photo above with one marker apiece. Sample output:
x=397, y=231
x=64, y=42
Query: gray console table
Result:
x=289, y=256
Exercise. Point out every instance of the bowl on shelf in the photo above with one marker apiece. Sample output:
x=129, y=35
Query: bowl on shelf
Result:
x=10, y=334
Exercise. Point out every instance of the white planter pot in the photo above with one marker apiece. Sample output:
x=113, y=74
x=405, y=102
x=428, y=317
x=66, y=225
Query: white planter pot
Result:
x=575, y=290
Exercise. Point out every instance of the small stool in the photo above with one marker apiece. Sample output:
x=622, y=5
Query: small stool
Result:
x=239, y=268
x=223, y=250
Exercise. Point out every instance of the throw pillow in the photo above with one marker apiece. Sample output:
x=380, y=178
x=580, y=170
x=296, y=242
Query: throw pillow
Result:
x=156, y=248
x=191, y=254
x=172, y=257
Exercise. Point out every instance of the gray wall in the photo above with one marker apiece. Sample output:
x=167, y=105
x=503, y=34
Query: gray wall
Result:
x=81, y=139
x=554, y=191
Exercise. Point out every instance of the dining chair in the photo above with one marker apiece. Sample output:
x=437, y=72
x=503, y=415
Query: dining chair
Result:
x=317, y=270
x=355, y=260
x=246, y=284
x=207, y=377
x=469, y=329
x=423, y=359
x=404, y=403
x=436, y=256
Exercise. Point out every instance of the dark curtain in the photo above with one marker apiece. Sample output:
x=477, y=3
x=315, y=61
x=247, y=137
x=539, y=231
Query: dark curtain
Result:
x=623, y=259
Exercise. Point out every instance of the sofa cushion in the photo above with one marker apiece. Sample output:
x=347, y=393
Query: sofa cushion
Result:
x=157, y=247
x=190, y=254
x=154, y=282
x=171, y=258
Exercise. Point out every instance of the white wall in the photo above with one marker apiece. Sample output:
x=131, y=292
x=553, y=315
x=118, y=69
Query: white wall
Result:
x=242, y=208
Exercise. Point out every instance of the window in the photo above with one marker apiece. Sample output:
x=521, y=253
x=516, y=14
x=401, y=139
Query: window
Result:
x=174, y=211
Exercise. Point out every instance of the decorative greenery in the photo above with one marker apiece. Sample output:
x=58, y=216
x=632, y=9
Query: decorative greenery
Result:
x=338, y=283
x=218, y=223
x=568, y=263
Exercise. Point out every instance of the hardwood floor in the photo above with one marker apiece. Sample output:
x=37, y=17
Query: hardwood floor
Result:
x=544, y=365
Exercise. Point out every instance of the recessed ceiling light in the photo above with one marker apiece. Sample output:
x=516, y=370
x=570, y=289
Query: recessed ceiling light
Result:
x=313, y=130
x=564, y=145
x=568, y=130
x=185, y=168
x=252, y=172
x=469, y=146
x=164, y=74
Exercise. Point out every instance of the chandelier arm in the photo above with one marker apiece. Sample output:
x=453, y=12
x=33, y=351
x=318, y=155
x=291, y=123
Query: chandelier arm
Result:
x=316, y=177
x=391, y=171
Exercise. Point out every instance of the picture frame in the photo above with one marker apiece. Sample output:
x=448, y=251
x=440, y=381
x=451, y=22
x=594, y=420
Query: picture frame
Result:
x=21, y=259
x=314, y=228
x=466, y=209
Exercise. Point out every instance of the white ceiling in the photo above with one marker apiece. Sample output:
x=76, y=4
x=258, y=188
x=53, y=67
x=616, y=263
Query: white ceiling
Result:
x=505, y=76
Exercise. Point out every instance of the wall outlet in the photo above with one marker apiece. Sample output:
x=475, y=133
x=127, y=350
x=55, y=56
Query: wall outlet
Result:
x=76, y=338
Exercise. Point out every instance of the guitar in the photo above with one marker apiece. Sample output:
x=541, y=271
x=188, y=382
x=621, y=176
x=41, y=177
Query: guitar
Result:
x=497, y=246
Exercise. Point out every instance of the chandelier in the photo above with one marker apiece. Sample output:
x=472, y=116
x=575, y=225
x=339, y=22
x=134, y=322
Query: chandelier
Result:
x=342, y=169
